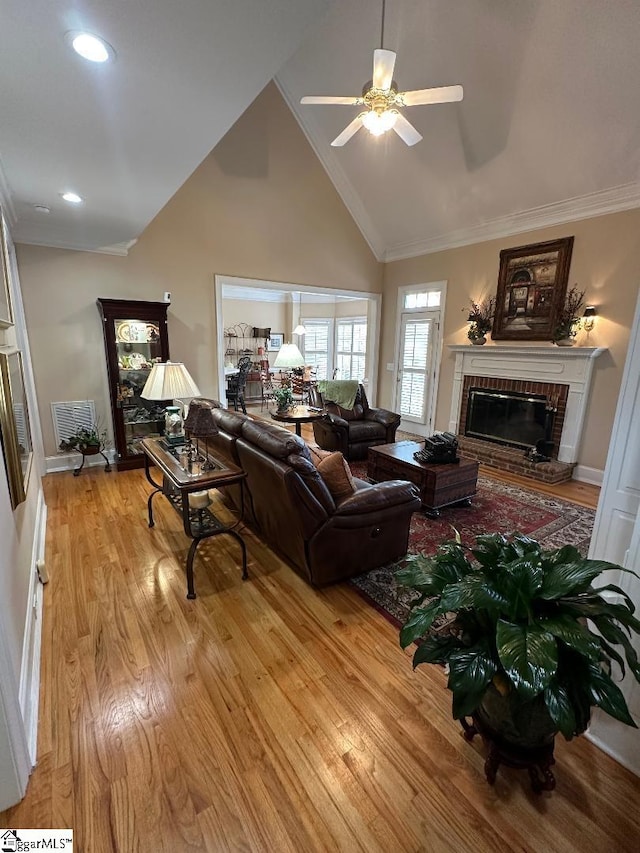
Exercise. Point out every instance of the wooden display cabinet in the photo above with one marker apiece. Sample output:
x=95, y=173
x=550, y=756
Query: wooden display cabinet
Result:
x=135, y=335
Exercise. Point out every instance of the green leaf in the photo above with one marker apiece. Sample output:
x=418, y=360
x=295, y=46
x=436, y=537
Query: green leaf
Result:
x=570, y=578
x=419, y=623
x=565, y=627
x=611, y=587
x=489, y=550
x=435, y=650
x=466, y=703
x=519, y=582
x=594, y=605
x=529, y=655
x=608, y=696
x=474, y=591
x=611, y=632
x=470, y=673
x=560, y=708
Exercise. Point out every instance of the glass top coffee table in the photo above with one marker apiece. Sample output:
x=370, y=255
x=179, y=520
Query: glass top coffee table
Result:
x=297, y=415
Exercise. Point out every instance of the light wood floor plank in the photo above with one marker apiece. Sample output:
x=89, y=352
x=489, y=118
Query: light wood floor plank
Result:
x=265, y=715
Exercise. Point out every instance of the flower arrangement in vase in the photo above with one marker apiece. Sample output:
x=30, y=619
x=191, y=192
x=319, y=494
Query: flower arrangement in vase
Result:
x=568, y=321
x=481, y=319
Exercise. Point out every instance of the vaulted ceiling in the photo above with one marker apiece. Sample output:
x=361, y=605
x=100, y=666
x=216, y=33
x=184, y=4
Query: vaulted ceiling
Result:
x=548, y=131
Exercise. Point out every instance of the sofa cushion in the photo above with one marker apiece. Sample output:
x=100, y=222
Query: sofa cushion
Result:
x=274, y=440
x=317, y=454
x=336, y=474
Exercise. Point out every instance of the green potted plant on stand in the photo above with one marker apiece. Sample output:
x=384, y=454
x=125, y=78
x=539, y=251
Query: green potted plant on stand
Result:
x=509, y=620
x=89, y=441
x=481, y=320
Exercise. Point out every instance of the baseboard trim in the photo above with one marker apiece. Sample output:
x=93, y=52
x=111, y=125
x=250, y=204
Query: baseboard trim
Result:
x=69, y=461
x=588, y=475
x=29, y=688
x=621, y=759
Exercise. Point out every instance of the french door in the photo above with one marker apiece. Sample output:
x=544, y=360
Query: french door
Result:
x=415, y=377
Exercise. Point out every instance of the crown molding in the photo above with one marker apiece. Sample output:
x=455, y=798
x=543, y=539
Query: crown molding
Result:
x=624, y=197
x=336, y=174
x=121, y=250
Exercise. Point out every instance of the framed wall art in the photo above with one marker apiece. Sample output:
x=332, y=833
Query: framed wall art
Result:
x=15, y=433
x=532, y=285
x=275, y=341
x=6, y=314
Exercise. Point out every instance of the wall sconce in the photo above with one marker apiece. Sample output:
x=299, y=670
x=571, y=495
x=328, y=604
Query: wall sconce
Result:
x=589, y=318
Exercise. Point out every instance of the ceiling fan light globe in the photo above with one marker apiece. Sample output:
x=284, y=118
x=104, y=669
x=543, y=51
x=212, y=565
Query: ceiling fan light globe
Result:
x=379, y=123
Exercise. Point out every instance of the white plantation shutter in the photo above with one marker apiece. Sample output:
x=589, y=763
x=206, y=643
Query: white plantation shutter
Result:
x=415, y=359
x=316, y=346
x=351, y=348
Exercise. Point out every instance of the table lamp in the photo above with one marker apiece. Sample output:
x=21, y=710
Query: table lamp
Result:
x=289, y=356
x=171, y=380
x=200, y=424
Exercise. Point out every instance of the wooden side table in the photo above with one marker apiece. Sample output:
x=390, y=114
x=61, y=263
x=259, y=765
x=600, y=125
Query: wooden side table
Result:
x=178, y=483
x=297, y=415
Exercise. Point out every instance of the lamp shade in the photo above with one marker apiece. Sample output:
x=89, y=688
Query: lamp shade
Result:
x=589, y=311
x=169, y=380
x=289, y=356
x=199, y=422
x=299, y=330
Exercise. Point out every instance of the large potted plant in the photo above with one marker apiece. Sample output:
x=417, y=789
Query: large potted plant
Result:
x=528, y=640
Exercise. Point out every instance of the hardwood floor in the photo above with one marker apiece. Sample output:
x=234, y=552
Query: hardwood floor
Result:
x=264, y=715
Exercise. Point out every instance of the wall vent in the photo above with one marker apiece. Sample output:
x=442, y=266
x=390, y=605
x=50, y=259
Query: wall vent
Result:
x=68, y=417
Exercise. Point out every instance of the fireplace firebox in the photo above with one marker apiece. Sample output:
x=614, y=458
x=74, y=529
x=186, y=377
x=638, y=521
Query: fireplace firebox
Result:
x=510, y=418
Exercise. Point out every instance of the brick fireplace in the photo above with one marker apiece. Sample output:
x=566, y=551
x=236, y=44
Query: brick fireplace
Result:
x=562, y=375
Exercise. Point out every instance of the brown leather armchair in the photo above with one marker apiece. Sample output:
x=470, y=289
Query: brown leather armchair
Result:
x=353, y=431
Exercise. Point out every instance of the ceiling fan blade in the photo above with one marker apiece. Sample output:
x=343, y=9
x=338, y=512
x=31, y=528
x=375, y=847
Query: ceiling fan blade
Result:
x=348, y=132
x=383, y=64
x=328, y=99
x=441, y=95
x=406, y=131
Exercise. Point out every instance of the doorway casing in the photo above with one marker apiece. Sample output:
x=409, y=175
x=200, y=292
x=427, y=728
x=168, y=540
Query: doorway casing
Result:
x=373, y=325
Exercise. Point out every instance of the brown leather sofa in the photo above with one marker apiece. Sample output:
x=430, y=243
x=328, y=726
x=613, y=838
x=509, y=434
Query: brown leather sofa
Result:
x=289, y=506
x=353, y=431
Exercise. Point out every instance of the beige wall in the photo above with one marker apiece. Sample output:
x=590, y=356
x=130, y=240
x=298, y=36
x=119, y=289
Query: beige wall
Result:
x=605, y=263
x=260, y=206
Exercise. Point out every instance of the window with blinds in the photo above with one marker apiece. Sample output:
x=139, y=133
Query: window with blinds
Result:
x=316, y=346
x=415, y=357
x=351, y=347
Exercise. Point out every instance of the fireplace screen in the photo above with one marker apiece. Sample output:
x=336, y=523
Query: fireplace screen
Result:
x=507, y=417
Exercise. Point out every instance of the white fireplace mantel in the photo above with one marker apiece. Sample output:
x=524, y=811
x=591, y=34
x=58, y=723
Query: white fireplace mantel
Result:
x=572, y=366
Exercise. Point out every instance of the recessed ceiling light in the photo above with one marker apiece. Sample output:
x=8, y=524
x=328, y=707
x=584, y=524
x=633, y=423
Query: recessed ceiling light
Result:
x=72, y=198
x=90, y=47
x=41, y=208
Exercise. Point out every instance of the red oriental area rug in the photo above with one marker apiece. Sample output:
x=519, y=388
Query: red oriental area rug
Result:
x=497, y=508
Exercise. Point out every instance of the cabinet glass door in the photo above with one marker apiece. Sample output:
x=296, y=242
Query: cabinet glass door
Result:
x=137, y=348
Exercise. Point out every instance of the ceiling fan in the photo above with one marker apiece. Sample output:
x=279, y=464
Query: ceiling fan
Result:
x=381, y=99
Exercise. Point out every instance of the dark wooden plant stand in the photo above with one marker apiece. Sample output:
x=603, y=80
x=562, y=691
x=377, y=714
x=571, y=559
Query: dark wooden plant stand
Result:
x=91, y=451
x=537, y=761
